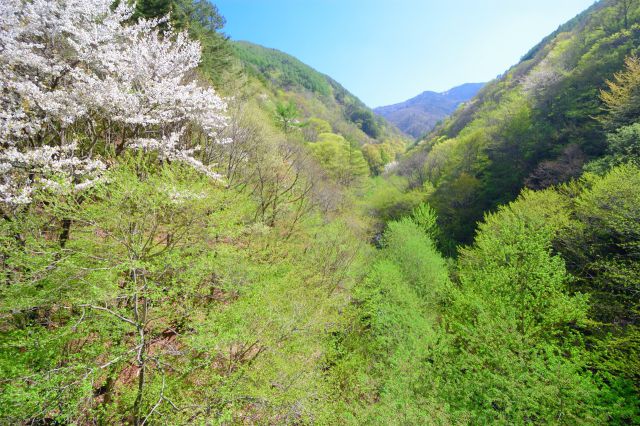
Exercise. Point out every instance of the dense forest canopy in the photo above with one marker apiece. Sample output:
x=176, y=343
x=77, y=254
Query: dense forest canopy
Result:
x=201, y=231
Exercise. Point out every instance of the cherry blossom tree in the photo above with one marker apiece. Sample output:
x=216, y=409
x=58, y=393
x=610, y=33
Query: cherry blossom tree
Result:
x=80, y=84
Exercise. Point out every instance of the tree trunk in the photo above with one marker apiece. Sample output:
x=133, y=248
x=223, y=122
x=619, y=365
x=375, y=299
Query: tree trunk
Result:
x=66, y=230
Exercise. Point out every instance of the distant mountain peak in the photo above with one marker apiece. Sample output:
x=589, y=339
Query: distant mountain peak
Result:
x=419, y=115
x=464, y=91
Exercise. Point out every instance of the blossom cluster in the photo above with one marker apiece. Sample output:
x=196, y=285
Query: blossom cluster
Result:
x=23, y=169
x=75, y=74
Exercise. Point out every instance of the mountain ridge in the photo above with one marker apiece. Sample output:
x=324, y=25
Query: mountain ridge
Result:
x=333, y=102
x=419, y=115
x=534, y=126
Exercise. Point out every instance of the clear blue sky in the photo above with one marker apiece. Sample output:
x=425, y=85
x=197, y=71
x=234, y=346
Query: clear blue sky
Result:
x=387, y=51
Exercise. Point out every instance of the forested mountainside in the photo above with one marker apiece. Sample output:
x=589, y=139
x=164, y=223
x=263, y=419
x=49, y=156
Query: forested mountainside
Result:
x=320, y=107
x=535, y=126
x=418, y=116
x=197, y=231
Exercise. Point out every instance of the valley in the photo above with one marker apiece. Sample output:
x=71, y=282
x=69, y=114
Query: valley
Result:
x=202, y=230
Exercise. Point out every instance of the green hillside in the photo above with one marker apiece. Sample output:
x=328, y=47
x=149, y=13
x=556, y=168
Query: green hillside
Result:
x=535, y=126
x=315, y=94
x=282, y=70
x=238, y=240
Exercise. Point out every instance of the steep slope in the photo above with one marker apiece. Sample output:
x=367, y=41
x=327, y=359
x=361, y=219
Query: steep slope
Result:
x=160, y=295
x=419, y=115
x=536, y=125
x=314, y=94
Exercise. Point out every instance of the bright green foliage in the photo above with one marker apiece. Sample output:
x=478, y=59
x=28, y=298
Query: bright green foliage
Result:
x=537, y=124
x=329, y=138
x=285, y=71
x=127, y=257
x=390, y=199
x=165, y=293
x=511, y=261
x=622, y=96
x=511, y=341
x=602, y=246
x=317, y=95
x=341, y=159
x=376, y=158
x=287, y=116
x=376, y=365
x=511, y=326
x=314, y=127
x=160, y=296
x=380, y=155
x=418, y=259
x=609, y=211
x=426, y=218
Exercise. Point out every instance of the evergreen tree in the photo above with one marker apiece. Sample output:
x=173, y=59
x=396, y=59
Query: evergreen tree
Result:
x=150, y=9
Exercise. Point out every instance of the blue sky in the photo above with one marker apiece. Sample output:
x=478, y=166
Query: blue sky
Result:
x=386, y=51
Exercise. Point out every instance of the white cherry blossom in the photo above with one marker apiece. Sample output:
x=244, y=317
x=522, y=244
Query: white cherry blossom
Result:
x=79, y=82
